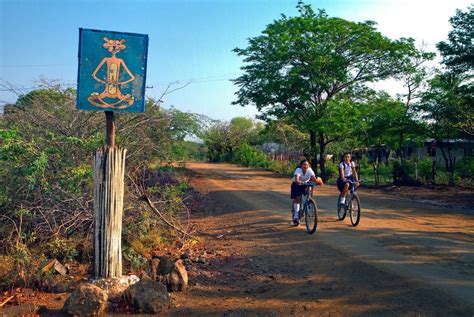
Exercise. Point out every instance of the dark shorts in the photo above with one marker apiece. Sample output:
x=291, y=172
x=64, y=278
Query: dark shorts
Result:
x=341, y=183
x=297, y=190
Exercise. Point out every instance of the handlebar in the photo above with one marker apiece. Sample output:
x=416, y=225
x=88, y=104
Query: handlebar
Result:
x=353, y=182
x=310, y=183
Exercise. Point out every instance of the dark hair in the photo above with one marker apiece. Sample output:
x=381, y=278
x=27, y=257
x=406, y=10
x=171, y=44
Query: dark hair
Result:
x=345, y=153
x=305, y=160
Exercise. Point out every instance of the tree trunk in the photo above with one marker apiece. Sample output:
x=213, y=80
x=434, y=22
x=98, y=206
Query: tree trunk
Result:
x=109, y=168
x=400, y=148
x=322, y=149
x=446, y=159
x=312, y=151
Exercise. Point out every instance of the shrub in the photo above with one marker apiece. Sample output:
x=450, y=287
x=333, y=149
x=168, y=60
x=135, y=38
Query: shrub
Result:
x=247, y=155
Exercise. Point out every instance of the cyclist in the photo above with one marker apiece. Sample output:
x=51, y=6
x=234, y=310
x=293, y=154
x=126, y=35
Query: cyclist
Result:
x=347, y=172
x=302, y=174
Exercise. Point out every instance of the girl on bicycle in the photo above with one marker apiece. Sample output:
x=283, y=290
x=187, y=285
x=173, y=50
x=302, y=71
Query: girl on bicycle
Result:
x=302, y=174
x=347, y=172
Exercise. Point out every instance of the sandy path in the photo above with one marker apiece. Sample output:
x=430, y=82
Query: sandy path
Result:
x=403, y=258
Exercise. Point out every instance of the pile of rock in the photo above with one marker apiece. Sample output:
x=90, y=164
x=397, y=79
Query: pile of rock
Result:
x=171, y=273
x=147, y=295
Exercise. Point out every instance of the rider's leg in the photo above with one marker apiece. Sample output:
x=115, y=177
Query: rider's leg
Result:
x=343, y=194
x=296, y=207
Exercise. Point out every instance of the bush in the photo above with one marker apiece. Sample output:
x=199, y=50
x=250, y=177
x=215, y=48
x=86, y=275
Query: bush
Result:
x=46, y=176
x=425, y=170
x=247, y=155
x=332, y=170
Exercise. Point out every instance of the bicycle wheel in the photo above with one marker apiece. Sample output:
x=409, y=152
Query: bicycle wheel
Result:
x=311, y=216
x=341, y=210
x=354, y=207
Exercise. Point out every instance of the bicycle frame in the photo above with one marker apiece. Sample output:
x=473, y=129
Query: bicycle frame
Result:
x=306, y=196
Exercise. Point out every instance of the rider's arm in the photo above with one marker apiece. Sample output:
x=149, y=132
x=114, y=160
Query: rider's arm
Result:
x=297, y=178
x=316, y=180
x=341, y=171
x=354, y=172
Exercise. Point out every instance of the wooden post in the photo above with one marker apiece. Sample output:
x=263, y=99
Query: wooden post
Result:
x=109, y=170
x=110, y=128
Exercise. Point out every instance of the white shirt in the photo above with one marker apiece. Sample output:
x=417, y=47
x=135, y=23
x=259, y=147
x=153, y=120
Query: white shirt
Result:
x=347, y=168
x=304, y=177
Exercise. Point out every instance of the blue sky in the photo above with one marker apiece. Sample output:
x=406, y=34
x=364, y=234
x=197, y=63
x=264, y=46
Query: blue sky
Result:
x=190, y=40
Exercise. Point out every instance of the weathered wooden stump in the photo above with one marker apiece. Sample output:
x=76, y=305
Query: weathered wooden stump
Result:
x=109, y=169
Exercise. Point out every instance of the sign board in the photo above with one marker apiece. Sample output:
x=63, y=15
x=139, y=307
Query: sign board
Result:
x=112, y=71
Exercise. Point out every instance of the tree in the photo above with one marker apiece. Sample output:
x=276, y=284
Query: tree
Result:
x=458, y=51
x=413, y=75
x=286, y=134
x=223, y=138
x=299, y=64
x=456, y=83
x=446, y=108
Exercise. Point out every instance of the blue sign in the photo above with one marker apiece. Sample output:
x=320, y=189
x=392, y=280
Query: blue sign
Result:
x=112, y=71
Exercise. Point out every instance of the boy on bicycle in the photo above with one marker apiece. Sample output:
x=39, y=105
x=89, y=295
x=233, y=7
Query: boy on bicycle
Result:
x=302, y=174
x=347, y=172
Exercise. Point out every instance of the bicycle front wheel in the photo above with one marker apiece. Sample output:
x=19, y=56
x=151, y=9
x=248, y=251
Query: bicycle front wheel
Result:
x=311, y=216
x=355, y=210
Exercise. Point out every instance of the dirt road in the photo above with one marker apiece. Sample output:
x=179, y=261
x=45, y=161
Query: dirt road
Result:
x=403, y=258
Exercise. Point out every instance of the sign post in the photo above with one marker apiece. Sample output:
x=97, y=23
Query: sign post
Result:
x=111, y=78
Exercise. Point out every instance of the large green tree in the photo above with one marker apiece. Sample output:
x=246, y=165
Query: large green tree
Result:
x=456, y=83
x=299, y=64
x=447, y=109
x=458, y=50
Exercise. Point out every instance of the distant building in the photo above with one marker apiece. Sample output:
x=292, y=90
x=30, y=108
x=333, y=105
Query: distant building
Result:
x=459, y=149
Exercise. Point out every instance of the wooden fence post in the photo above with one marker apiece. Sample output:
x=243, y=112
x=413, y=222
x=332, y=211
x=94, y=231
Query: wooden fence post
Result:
x=109, y=171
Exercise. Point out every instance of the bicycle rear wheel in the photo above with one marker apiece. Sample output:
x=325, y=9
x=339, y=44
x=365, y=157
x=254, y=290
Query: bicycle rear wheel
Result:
x=341, y=209
x=354, y=207
x=311, y=216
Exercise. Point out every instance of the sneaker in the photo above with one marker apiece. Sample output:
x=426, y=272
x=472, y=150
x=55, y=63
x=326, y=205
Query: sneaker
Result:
x=296, y=222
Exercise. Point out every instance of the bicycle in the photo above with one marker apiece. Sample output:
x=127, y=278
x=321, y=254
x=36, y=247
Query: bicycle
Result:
x=352, y=203
x=309, y=209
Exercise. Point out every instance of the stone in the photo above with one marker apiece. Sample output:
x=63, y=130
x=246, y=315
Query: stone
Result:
x=115, y=286
x=165, y=265
x=153, y=268
x=178, y=278
x=86, y=300
x=53, y=264
x=147, y=296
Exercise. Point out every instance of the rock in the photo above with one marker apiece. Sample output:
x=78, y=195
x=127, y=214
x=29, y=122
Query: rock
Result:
x=187, y=261
x=53, y=264
x=115, y=286
x=178, y=278
x=147, y=296
x=86, y=300
x=165, y=265
x=153, y=268
x=201, y=260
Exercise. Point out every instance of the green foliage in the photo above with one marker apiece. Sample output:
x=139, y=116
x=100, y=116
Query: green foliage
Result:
x=223, y=138
x=46, y=147
x=137, y=261
x=247, y=155
x=298, y=66
x=425, y=170
x=458, y=51
x=332, y=170
x=61, y=249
